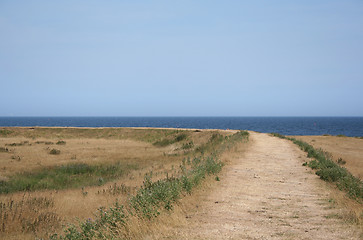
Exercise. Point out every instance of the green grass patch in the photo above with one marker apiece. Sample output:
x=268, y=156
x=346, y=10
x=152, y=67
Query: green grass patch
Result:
x=167, y=141
x=330, y=171
x=65, y=176
x=5, y=132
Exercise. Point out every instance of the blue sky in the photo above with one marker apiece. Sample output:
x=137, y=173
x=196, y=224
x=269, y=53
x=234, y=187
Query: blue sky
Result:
x=181, y=58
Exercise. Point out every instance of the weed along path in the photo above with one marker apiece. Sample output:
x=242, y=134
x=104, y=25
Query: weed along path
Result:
x=267, y=194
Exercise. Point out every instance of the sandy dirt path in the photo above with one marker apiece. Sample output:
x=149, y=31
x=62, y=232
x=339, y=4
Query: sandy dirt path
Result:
x=267, y=194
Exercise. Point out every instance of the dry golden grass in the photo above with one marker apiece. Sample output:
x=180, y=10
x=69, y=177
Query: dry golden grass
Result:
x=348, y=148
x=352, y=210
x=91, y=146
x=31, y=152
x=40, y=213
x=90, y=151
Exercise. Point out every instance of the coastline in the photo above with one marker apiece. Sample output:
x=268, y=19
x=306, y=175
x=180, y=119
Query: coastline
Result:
x=349, y=126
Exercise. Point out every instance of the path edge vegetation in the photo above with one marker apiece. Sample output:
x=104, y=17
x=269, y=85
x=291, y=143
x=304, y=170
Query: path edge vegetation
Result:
x=153, y=197
x=328, y=170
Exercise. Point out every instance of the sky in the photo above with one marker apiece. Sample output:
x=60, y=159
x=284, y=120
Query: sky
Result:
x=181, y=58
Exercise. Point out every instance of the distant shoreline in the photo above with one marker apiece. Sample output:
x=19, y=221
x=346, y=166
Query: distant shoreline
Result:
x=161, y=128
x=348, y=126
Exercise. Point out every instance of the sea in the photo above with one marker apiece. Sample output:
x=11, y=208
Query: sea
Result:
x=348, y=126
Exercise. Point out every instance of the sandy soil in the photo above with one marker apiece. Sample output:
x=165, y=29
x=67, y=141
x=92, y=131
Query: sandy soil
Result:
x=348, y=148
x=267, y=194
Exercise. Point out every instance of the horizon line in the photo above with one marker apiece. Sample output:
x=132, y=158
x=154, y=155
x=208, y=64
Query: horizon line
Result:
x=167, y=116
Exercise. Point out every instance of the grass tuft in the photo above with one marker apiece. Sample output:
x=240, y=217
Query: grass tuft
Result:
x=61, y=142
x=341, y=135
x=341, y=161
x=54, y=151
x=44, y=142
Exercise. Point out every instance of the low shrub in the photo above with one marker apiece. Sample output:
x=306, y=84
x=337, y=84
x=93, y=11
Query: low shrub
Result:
x=61, y=142
x=180, y=137
x=107, y=225
x=341, y=135
x=54, y=151
x=341, y=161
x=278, y=135
x=3, y=149
x=44, y=142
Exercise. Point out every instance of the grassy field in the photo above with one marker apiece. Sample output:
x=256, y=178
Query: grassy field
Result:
x=348, y=151
x=50, y=177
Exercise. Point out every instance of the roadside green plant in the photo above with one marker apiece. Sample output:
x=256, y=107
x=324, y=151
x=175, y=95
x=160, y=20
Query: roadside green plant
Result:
x=106, y=225
x=330, y=171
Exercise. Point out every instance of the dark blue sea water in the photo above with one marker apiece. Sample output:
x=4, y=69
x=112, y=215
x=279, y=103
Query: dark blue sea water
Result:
x=349, y=126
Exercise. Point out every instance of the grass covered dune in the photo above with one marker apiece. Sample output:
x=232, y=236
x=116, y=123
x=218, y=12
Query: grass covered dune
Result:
x=128, y=183
x=99, y=183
